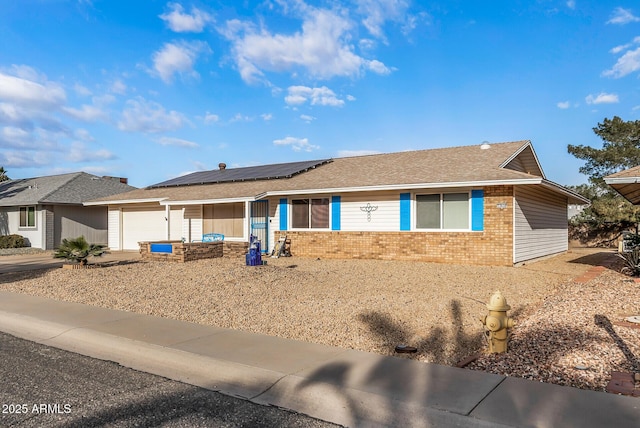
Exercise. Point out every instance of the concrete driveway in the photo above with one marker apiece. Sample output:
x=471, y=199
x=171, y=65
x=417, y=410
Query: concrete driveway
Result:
x=25, y=262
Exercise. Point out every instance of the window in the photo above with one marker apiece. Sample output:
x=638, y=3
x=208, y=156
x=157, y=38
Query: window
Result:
x=442, y=211
x=27, y=216
x=310, y=213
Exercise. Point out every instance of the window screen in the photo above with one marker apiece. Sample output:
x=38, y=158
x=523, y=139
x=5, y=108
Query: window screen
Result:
x=455, y=210
x=428, y=211
x=300, y=213
x=320, y=213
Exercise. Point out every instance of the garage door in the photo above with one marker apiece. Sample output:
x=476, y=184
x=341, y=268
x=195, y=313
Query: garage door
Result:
x=142, y=224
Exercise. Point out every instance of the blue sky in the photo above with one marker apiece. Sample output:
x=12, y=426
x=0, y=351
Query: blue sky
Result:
x=150, y=90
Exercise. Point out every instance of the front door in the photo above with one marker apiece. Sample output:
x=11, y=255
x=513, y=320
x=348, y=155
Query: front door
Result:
x=259, y=221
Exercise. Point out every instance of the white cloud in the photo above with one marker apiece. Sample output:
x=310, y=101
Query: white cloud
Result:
x=622, y=16
x=145, y=116
x=297, y=144
x=266, y=116
x=211, y=118
x=351, y=153
x=377, y=12
x=37, y=139
x=178, y=57
x=307, y=118
x=87, y=113
x=351, y=98
x=564, y=104
x=322, y=47
x=40, y=94
x=626, y=64
x=618, y=49
x=181, y=22
x=11, y=114
x=81, y=90
x=316, y=96
x=22, y=159
x=171, y=141
x=239, y=117
x=11, y=136
x=80, y=153
x=83, y=134
x=118, y=87
x=602, y=98
x=378, y=67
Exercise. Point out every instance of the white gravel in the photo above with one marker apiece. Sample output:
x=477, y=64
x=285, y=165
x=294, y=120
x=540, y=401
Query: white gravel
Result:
x=375, y=305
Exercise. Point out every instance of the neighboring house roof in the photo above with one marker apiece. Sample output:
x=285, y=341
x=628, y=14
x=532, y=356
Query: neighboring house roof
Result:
x=67, y=189
x=627, y=183
x=500, y=163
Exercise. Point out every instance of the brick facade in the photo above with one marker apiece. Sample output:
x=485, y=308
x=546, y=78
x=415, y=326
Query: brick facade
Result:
x=492, y=246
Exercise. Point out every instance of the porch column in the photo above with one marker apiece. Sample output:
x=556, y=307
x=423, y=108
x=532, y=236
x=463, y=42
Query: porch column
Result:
x=247, y=220
x=167, y=216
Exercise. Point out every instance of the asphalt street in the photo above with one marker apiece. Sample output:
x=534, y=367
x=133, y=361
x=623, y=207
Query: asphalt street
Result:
x=44, y=386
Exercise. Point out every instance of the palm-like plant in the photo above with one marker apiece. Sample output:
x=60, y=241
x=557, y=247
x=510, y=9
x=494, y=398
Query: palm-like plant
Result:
x=78, y=250
x=3, y=174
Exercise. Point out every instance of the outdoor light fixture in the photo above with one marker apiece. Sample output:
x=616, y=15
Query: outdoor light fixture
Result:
x=501, y=205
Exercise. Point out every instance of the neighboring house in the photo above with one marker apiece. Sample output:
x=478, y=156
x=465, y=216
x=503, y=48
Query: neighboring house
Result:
x=627, y=183
x=46, y=210
x=488, y=204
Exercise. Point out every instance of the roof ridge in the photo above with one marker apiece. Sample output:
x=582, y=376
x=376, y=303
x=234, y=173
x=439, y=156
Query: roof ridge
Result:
x=73, y=176
x=522, y=142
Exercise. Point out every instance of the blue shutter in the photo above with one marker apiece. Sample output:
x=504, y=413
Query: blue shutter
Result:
x=405, y=211
x=477, y=210
x=283, y=213
x=335, y=213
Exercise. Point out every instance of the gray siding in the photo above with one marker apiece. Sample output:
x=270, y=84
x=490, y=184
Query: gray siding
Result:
x=73, y=221
x=540, y=223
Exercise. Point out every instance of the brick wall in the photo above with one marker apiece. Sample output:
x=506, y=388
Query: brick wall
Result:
x=187, y=251
x=493, y=246
x=235, y=249
x=182, y=251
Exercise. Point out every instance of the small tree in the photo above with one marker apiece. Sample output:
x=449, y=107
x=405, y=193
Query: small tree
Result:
x=78, y=250
x=3, y=174
x=609, y=213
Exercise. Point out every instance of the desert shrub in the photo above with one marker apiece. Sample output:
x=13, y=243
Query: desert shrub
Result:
x=631, y=241
x=631, y=261
x=78, y=250
x=12, y=241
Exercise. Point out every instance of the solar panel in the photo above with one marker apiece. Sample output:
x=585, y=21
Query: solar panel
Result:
x=250, y=173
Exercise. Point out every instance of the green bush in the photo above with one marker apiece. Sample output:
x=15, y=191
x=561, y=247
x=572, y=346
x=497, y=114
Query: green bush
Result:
x=12, y=241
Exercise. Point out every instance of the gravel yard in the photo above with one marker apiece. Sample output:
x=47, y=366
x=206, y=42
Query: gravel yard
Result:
x=375, y=305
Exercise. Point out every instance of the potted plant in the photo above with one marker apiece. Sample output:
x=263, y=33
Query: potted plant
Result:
x=78, y=250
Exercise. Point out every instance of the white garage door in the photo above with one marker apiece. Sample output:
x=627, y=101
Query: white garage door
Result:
x=142, y=224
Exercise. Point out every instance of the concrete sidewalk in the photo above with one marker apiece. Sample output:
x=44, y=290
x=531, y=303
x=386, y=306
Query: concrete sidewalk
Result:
x=343, y=386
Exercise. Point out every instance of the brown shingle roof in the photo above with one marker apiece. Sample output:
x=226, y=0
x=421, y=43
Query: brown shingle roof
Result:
x=631, y=172
x=464, y=164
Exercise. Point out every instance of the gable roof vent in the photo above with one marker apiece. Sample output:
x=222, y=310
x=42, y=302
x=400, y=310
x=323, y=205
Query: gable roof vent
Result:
x=222, y=166
x=485, y=145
